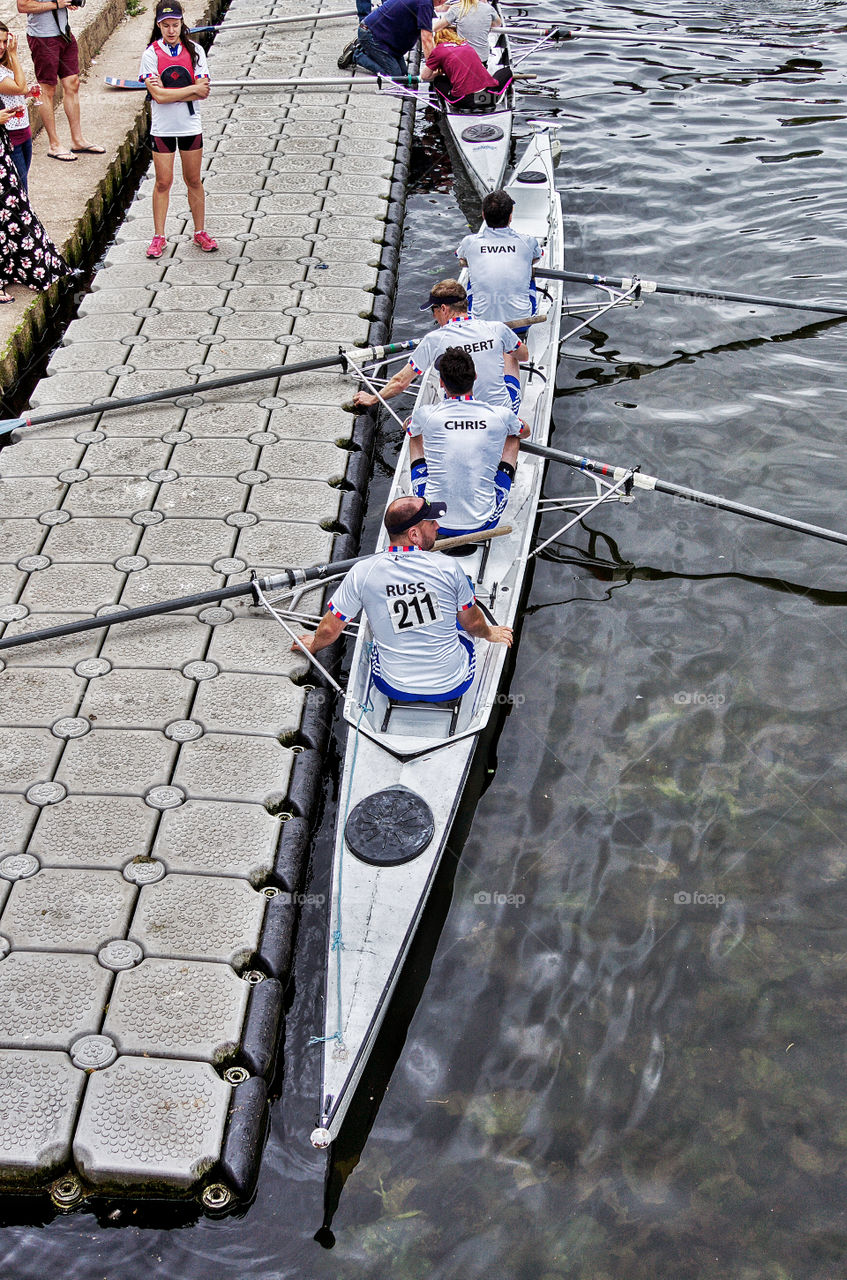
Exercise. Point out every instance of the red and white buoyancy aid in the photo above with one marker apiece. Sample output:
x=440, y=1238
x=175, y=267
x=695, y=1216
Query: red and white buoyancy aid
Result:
x=175, y=72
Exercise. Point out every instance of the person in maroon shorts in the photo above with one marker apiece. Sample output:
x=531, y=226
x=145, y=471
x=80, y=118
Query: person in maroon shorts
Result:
x=55, y=57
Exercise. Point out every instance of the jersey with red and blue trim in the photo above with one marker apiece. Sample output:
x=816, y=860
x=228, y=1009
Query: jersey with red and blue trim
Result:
x=411, y=599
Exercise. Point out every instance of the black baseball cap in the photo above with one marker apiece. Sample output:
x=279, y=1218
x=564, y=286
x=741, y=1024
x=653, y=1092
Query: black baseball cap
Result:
x=429, y=511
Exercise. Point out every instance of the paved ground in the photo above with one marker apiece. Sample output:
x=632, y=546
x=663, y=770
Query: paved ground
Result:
x=143, y=768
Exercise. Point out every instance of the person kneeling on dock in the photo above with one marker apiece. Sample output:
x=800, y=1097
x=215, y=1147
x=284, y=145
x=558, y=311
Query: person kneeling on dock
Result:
x=463, y=452
x=495, y=350
x=421, y=609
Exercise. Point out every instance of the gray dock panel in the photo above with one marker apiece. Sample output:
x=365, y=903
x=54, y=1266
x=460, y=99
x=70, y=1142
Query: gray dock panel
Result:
x=142, y=768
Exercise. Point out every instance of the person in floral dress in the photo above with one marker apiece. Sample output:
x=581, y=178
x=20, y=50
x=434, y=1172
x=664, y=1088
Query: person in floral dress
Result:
x=27, y=254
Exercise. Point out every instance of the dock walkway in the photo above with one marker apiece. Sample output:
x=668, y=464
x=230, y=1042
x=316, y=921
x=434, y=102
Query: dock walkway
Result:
x=147, y=875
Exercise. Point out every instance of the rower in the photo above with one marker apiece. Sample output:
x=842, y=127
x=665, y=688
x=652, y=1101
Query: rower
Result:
x=421, y=609
x=499, y=262
x=494, y=349
x=463, y=452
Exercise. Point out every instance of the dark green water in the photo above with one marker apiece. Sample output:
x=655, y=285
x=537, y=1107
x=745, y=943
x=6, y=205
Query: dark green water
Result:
x=635, y=1070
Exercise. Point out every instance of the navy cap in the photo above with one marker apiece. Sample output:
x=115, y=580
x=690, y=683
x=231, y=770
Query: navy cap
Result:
x=168, y=9
x=429, y=511
x=451, y=299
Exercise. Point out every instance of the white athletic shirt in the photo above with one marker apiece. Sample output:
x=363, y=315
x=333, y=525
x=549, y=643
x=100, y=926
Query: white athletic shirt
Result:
x=172, y=119
x=500, y=269
x=486, y=342
x=463, y=442
x=411, y=598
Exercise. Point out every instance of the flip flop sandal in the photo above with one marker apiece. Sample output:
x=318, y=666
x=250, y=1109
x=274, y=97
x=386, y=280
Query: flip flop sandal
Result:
x=64, y=156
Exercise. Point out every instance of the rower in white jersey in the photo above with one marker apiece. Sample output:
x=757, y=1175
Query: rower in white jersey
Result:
x=463, y=452
x=421, y=609
x=494, y=349
x=499, y=262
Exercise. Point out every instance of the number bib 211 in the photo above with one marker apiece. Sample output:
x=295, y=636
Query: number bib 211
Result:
x=407, y=613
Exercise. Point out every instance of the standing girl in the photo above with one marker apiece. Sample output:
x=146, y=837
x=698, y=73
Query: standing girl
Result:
x=13, y=95
x=176, y=73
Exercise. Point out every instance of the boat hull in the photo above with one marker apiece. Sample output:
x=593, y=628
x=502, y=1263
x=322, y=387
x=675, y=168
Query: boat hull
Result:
x=426, y=751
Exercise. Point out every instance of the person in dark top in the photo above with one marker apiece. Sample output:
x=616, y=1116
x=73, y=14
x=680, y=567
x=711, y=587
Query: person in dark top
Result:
x=387, y=34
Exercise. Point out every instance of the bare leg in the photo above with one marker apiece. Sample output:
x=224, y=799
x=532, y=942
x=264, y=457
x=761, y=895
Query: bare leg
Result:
x=70, y=101
x=48, y=116
x=191, y=164
x=163, y=166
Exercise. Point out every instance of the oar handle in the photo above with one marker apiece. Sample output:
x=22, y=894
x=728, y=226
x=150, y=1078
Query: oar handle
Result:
x=210, y=384
x=465, y=539
x=273, y=582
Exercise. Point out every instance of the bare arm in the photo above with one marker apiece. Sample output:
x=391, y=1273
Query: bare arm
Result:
x=42, y=6
x=191, y=92
x=329, y=629
x=426, y=43
x=14, y=81
x=511, y=449
x=401, y=380
x=473, y=621
x=512, y=359
x=428, y=72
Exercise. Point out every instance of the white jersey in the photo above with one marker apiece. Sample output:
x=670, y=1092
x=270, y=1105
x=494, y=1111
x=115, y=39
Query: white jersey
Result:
x=411, y=598
x=486, y=342
x=463, y=442
x=172, y=119
x=500, y=269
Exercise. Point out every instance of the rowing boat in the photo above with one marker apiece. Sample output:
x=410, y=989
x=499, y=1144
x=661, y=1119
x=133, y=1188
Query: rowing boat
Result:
x=405, y=765
x=483, y=139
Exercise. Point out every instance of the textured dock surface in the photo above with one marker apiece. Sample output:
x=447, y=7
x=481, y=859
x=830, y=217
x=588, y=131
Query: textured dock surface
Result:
x=144, y=769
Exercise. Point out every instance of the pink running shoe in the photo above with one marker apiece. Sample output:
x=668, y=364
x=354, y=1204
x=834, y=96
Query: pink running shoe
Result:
x=205, y=242
x=157, y=247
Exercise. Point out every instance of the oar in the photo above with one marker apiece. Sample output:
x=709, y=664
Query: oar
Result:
x=363, y=81
x=649, y=37
x=705, y=293
x=211, y=384
x=344, y=359
x=274, y=582
x=642, y=481
x=274, y=22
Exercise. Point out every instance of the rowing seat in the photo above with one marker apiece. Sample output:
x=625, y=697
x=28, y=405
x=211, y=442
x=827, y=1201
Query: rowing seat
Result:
x=431, y=709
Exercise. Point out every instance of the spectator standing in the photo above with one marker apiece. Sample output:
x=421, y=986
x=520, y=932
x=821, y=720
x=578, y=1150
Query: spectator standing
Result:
x=176, y=73
x=13, y=96
x=55, y=56
x=27, y=254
